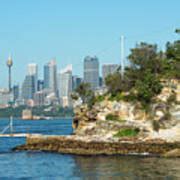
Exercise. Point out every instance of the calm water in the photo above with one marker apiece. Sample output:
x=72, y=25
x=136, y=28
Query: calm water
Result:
x=39, y=165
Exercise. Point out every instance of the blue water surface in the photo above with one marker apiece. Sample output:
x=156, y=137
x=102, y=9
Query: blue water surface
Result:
x=41, y=165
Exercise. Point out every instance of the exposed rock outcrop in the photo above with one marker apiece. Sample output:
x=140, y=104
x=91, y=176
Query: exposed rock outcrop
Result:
x=89, y=146
x=120, y=127
x=165, y=112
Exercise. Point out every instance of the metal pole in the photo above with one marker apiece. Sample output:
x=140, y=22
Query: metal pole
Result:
x=11, y=125
x=122, y=56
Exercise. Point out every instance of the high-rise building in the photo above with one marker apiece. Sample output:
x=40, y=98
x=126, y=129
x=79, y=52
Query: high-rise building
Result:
x=50, y=76
x=28, y=87
x=39, y=98
x=65, y=85
x=40, y=85
x=33, y=71
x=76, y=81
x=15, y=92
x=100, y=81
x=108, y=69
x=91, y=71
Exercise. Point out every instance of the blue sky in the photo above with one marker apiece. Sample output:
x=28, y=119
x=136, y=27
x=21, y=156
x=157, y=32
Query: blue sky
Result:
x=68, y=30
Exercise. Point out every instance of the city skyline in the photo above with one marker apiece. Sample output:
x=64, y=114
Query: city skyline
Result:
x=31, y=34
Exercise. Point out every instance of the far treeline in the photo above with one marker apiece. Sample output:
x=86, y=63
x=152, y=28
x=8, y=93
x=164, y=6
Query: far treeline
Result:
x=142, y=79
x=47, y=111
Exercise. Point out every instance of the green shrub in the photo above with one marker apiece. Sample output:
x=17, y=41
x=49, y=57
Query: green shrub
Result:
x=113, y=117
x=129, y=132
x=116, y=97
x=99, y=98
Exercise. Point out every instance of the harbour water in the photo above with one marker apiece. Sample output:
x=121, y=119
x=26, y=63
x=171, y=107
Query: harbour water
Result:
x=41, y=165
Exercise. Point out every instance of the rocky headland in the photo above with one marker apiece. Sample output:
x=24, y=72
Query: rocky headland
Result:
x=121, y=127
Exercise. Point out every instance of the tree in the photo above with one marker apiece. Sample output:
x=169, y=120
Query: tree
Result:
x=147, y=87
x=142, y=55
x=173, y=59
x=85, y=92
x=116, y=83
x=144, y=73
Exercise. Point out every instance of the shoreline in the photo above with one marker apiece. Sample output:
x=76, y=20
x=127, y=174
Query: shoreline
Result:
x=73, y=144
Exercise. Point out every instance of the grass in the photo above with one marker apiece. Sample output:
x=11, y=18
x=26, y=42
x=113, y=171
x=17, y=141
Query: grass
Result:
x=113, y=117
x=116, y=97
x=127, y=132
x=99, y=98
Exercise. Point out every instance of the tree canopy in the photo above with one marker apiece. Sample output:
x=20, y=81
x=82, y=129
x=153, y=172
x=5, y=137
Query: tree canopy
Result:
x=147, y=67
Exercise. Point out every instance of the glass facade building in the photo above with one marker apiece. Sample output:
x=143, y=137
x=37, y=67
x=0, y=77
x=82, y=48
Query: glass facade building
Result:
x=33, y=71
x=28, y=87
x=50, y=76
x=91, y=71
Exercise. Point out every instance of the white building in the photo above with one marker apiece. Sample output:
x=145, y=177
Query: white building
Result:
x=33, y=71
x=65, y=86
x=5, y=98
x=50, y=76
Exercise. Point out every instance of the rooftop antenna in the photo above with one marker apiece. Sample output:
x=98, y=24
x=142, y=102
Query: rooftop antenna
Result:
x=122, y=56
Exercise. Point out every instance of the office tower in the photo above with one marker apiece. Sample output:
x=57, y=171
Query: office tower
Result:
x=76, y=81
x=33, y=71
x=100, y=81
x=28, y=87
x=65, y=85
x=15, y=92
x=40, y=85
x=91, y=71
x=39, y=98
x=108, y=69
x=50, y=76
x=9, y=65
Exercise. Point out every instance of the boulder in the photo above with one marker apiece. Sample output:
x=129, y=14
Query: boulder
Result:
x=172, y=153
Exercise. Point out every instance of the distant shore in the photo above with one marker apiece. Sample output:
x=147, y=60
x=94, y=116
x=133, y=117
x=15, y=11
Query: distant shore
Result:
x=52, y=118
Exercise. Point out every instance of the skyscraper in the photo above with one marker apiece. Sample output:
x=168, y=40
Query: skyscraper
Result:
x=50, y=76
x=28, y=87
x=15, y=92
x=76, y=81
x=91, y=71
x=40, y=85
x=108, y=69
x=33, y=71
x=65, y=85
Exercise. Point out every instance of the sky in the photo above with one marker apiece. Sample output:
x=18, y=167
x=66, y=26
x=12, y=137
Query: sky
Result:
x=68, y=30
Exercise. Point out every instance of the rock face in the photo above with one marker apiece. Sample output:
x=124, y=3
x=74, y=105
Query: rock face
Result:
x=165, y=112
x=172, y=153
x=85, y=146
x=119, y=127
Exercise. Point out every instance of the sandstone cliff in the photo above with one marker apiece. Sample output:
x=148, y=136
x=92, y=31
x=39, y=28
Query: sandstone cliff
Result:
x=107, y=118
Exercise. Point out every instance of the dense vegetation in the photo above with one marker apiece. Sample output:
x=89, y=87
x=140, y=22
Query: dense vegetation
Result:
x=142, y=80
